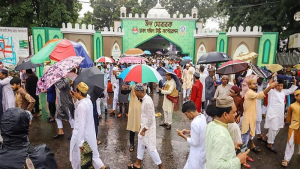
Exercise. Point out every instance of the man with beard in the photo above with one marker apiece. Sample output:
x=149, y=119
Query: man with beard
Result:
x=250, y=107
x=23, y=99
x=224, y=88
x=8, y=99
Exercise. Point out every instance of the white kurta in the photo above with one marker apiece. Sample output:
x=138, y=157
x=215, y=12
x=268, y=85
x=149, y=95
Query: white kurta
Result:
x=148, y=122
x=202, y=80
x=168, y=105
x=84, y=130
x=275, y=110
x=8, y=97
x=197, y=156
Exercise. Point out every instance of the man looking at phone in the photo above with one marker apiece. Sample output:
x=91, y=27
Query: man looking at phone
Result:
x=197, y=157
x=275, y=112
x=220, y=149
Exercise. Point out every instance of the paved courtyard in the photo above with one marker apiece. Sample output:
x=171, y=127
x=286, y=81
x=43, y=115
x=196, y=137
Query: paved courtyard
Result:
x=172, y=149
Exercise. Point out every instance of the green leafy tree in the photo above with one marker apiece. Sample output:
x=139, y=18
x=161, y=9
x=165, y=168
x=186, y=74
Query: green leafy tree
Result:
x=44, y=13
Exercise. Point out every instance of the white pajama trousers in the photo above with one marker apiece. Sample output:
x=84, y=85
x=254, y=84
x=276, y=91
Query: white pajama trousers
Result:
x=289, y=150
x=168, y=117
x=186, y=92
x=257, y=129
x=271, y=135
x=154, y=154
x=60, y=124
x=116, y=97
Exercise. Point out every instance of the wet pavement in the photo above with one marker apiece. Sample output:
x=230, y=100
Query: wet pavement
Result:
x=172, y=149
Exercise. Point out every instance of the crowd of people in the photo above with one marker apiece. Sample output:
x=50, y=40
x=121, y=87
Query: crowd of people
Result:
x=226, y=111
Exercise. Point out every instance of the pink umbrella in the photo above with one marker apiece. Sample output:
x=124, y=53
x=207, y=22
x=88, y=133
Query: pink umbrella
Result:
x=56, y=72
x=105, y=59
x=132, y=59
x=159, y=52
x=245, y=85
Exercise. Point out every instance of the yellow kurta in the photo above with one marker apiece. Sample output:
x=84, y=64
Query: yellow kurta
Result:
x=168, y=105
x=250, y=111
x=134, y=112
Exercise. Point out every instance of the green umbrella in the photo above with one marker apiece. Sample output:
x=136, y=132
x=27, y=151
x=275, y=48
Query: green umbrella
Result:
x=44, y=53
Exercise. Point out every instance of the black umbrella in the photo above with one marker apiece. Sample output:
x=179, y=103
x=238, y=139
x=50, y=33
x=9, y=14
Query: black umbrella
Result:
x=213, y=57
x=27, y=65
x=175, y=57
x=184, y=62
x=94, y=78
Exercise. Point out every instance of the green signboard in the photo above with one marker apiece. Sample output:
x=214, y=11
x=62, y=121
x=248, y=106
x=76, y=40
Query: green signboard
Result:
x=179, y=32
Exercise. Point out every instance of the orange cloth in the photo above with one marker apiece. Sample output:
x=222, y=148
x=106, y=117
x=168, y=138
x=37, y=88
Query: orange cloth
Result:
x=250, y=113
x=293, y=116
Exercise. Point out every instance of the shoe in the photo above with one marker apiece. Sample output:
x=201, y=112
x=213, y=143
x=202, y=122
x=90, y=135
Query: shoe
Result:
x=163, y=124
x=50, y=120
x=58, y=136
x=168, y=127
x=272, y=149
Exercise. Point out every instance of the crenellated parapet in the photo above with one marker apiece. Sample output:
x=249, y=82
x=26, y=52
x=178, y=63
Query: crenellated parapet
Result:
x=245, y=32
x=89, y=30
x=205, y=33
x=119, y=32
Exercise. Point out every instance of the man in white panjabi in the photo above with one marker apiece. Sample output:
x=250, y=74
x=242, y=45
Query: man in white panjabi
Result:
x=168, y=105
x=275, y=111
x=8, y=96
x=115, y=83
x=147, y=134
x=84, y=129
x=197, y=157
x=187, y=77
x=224, y=88
x=202, y=80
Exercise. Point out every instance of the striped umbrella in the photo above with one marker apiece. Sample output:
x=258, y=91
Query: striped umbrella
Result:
x=105, y=59
x=140, y=74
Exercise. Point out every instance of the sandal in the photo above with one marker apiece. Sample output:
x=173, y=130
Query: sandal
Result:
x=246, y=165
x=119, y=115
x=272, y=149
x=131, y=148
x=249, y=159
x=131, y=166
x=284, y=163
x=256, y=149
x=98, y=142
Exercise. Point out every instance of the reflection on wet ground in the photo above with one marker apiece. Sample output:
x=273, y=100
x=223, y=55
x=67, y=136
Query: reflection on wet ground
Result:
x=172, y=149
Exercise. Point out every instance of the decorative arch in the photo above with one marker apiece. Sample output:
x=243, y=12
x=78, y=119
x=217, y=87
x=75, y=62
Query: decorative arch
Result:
x=98, y=47
x=240, y=49
x=201, y=51
x=116, y=53
x=222, y=45
x=164, y=38
x=266, y=52
x=55, y=37
x=80, y=41
x=39, y=42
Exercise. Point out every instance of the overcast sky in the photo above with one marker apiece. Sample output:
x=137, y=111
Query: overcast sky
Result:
x=86, y=7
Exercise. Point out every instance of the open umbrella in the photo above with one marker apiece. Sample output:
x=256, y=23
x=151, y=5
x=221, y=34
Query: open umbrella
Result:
x=132, y=59
x=232, y=67
x=187, y=58
x=259, y=71
x=56, y=72
x=105, y=59
x=27, y=65
x=159, y=52
x=94, y=78
x=147, y=52
x=60, y=49
x=175, y=57
x=162, y=71
x=213, y=57
x=184, y=62
x=274, y=67
x=140, y=74
x=247, y=56
x=245, y=87
x=297, y=66
x=134, y=52
x=171, y=53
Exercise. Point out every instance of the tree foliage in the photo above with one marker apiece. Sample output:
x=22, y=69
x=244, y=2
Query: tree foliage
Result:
x=271, y=15
x=42, y=13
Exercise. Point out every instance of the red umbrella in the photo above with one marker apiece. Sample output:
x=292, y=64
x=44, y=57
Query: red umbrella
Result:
x=232, y=67
x=105, y=59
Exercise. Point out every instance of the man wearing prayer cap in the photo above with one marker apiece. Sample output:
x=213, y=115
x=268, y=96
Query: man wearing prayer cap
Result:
x=187, y=77
x=220, y=148
x=115, y=82
x=84, y=128
x=147, y=133
x=197, y=90
x=210, y=85
x=224, y=88
x=8, y=97
x=250, y=112
x=293, y=117
x=47, y=66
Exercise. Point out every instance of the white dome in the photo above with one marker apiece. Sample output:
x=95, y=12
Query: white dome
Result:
x=158, y=12
x=123, y=8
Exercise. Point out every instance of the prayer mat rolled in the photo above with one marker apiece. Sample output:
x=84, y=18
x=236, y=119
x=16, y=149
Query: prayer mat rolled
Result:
x=86, y=157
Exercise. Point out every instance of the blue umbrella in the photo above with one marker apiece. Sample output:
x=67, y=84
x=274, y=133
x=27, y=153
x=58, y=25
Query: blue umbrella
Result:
x=147, y=52
x=162, y=71
x=187, y=58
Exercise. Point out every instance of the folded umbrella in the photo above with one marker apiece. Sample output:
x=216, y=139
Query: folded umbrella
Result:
x=27, y=65
x=213, y=57
x=94, y=78
x=56, y=72
x=232, y=67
